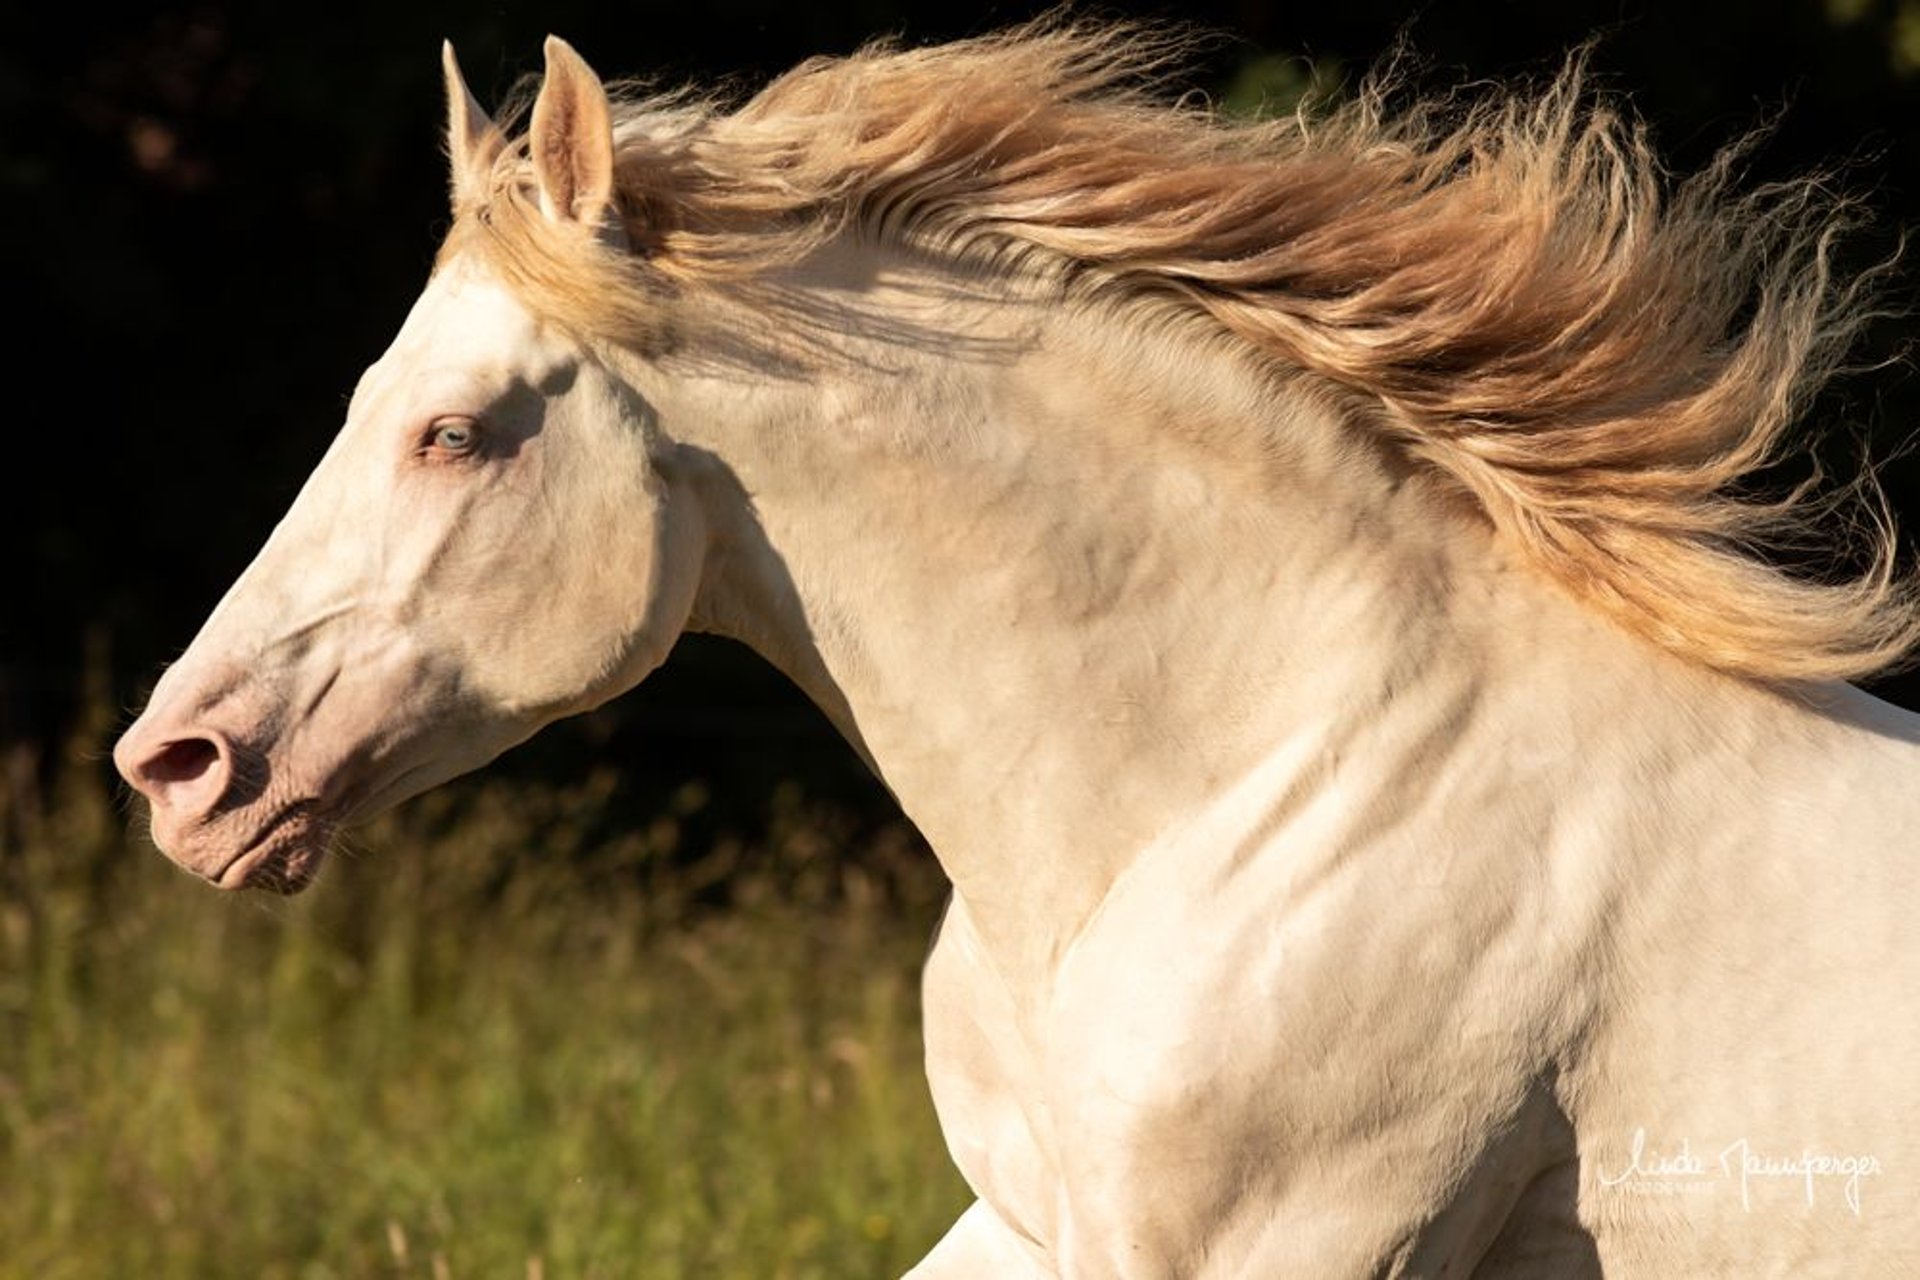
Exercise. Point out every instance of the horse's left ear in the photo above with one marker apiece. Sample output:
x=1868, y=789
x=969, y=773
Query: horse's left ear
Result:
x=572, y=143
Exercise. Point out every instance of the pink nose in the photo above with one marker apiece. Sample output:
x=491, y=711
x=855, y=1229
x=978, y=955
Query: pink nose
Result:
x=183, y=776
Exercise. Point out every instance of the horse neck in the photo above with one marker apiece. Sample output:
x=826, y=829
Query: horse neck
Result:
x=1067, y=579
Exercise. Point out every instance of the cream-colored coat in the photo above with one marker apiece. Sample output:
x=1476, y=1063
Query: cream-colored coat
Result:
x=1333, y=897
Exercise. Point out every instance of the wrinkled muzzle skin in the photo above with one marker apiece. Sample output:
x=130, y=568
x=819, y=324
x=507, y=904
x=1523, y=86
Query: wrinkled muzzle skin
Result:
x=493, y=541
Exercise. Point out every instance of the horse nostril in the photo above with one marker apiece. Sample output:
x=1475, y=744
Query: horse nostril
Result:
x=183, y=761
x=184, y=779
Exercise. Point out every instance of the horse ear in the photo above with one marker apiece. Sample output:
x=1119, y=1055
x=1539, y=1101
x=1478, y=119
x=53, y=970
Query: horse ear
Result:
x=473, y=140
x=572, y=143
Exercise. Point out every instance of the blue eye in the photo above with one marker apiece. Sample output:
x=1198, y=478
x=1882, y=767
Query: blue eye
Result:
x=455, y=435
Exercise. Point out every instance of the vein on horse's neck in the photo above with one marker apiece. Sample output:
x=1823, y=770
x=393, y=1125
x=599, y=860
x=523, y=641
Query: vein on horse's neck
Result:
x=1084, y=553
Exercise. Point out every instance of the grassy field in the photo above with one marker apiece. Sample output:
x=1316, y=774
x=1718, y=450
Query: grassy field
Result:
x=475, y=1049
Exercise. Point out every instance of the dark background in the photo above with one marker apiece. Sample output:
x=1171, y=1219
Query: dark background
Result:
x=217, y=213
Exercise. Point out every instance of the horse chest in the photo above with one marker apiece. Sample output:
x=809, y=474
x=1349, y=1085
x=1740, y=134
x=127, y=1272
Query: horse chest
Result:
x=986, y=1081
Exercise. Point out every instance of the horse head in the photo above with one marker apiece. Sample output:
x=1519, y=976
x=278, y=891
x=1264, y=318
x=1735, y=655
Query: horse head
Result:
x=495, y=539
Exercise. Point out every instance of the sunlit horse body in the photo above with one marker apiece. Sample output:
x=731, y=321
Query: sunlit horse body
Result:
x=1287, y=573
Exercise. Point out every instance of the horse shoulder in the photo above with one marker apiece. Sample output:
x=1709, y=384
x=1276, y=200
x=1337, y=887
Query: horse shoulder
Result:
x=1260, y=1063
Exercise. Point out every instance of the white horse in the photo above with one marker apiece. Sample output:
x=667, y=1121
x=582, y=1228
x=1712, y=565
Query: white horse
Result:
x=1288, y=572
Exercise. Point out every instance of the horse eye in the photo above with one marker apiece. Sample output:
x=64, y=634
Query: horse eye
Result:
x=455, y=435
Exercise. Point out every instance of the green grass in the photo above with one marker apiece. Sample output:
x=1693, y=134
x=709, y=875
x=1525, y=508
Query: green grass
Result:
x=478, y=1048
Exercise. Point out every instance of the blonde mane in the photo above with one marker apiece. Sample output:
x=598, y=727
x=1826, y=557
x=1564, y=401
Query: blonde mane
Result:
x=1601, y=356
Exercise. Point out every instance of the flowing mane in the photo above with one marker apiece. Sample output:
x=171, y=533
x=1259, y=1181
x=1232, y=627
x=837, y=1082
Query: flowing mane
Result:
x=1506, y=283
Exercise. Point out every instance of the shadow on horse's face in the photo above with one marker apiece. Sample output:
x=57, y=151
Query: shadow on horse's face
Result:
x=488, y=545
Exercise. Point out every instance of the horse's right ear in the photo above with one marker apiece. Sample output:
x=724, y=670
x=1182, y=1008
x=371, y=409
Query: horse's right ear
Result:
x=473, y=140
